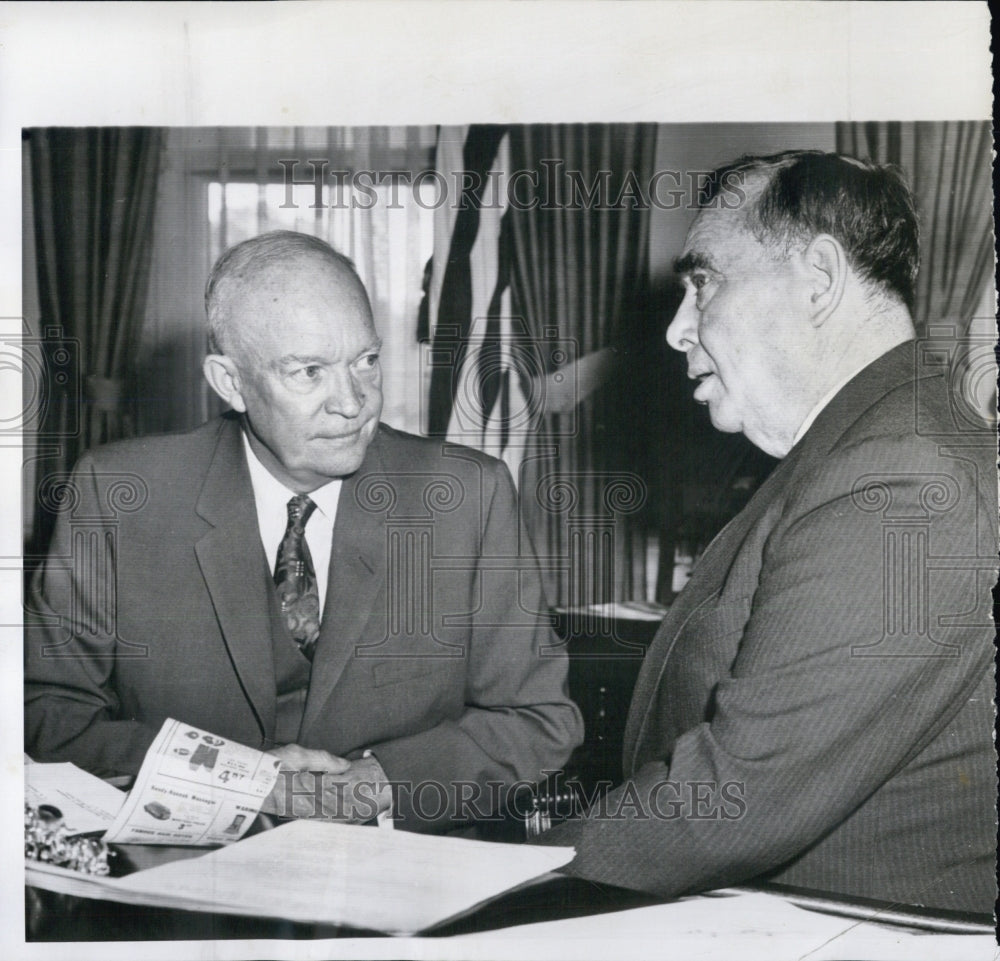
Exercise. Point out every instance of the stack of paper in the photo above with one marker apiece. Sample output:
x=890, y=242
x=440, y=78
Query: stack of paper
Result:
x=327, y=873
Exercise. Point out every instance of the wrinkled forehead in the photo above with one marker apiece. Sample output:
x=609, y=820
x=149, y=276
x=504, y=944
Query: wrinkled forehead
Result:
x=292, y=300
x=725, y=220
x=285, y=287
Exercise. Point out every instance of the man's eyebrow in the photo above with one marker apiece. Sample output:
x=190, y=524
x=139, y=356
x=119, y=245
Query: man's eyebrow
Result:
x=690, y=262
x=288, y=359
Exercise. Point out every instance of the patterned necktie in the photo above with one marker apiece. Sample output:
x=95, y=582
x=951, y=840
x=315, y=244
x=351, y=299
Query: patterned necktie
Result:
x=295, y=578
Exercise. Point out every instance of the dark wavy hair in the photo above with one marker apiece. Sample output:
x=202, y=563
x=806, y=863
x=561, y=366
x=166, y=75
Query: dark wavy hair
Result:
x=867, y=207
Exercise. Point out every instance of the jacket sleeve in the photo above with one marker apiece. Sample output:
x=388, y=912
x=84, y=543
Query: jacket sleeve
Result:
x=861, y=644
x=518, y=720
x=70, y=640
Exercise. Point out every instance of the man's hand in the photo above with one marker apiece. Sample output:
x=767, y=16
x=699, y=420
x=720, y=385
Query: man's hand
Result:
x=317, y=784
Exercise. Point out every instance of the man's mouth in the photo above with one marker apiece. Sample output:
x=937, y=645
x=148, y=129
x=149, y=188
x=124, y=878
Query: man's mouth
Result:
x=702, y=377
x=352, y=435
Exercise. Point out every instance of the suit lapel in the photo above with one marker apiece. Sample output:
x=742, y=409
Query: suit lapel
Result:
x=232, y=562
x=864, y=390
x=357, y=571
x=706, y=581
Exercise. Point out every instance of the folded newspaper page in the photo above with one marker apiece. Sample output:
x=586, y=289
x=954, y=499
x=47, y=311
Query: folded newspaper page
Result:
x=194, y=788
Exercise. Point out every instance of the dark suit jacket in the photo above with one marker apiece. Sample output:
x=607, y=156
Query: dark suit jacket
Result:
x=154, y=602
x=816, y=707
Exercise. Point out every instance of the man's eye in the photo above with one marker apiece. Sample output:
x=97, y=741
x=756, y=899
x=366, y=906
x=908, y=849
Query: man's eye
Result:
x=307, y=373
x=698, y=281
x=368, y=362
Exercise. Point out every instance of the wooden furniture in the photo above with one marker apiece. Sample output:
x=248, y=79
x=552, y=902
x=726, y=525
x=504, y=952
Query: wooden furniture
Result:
x=606, y=648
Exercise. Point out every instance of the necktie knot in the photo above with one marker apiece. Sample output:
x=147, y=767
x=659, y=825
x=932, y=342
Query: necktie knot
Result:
x=300, y=508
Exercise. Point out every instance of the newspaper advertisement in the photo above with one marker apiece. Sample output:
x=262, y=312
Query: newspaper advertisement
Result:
x=194, y=789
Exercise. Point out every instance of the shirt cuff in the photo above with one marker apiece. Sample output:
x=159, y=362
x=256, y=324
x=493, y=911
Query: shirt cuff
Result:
x=384, y=818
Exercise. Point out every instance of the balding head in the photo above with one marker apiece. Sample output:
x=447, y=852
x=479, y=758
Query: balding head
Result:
x=254, y=269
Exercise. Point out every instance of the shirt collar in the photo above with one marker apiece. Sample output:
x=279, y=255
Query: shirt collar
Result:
x=268, y=489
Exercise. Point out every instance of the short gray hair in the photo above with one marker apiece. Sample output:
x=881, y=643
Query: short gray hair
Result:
x=236, y=269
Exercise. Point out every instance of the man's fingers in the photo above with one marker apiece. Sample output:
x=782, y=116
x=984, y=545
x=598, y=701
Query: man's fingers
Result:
x=296, y=758
x=308, y=794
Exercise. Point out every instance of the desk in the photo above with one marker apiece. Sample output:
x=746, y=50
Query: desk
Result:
x=553, y=917
x=749, y=925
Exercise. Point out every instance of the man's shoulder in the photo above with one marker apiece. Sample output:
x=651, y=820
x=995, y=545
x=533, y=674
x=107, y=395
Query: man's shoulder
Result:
x=920, y=418
x=903, y=403
x=910, y=433
x=398, y=449
x=182, y=449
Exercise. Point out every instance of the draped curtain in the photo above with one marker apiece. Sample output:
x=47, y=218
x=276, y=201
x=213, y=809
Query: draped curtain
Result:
x=579, y=271
x=94, y=194
x=949, y=168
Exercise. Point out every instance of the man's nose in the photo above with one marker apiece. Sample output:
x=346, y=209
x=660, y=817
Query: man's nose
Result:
x=345, y=396
x=682, y=332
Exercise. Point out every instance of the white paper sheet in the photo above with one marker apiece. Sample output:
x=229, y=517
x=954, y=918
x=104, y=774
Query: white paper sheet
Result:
x=325, y=872
x=194, y=788
x=87, y=803
x=744, y=925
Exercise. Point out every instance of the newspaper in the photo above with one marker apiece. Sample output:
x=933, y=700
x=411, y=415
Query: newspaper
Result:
x=194, y=788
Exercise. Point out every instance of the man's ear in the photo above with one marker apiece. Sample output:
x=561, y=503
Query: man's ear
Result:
x=826, y=270
x=224, y=379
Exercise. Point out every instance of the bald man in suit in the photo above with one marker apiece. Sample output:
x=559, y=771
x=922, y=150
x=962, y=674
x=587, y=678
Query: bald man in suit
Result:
x=816, y=708
x=297, y=576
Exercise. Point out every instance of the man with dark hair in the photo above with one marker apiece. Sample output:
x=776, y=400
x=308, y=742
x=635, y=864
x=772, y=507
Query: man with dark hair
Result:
x=816, y=709
x=808, y=192
x=299, y=577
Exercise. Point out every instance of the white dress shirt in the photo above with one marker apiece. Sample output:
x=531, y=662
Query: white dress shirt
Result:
x=271, y=499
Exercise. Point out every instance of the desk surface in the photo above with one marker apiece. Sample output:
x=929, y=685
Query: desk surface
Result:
x=557, y=917
x=745, y=924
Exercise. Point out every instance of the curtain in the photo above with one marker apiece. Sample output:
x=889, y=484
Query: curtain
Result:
x=94, y=193
x=579, y=230
x=949, y=168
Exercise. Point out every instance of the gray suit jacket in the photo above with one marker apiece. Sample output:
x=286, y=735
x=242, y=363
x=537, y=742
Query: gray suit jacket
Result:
x=816, y=707
x=435, y=650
